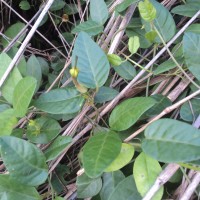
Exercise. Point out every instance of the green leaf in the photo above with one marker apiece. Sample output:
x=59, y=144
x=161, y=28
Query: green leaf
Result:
x=162, y=102
x=187, y=10
x=164, y=67
x=92, y=62
x=11, y=32
x=24, y=5
x=133, y=44
x=60, y=101
x=59, y=198
x=58, y=145
x=90, y=27
x=124, y=5
x=21, y=64
x=13, y=190
x=126, y=70
x=145, y=172
x=125, y=156
x=7, y=122
x=105, y=94
x=147, y=10
x=114, y=59
x=57, y=5
x=191, y=52
x=34, y=70
x=4, y=107
x=110, y=181
x=151, y=36
x=98, y=11
x=190, y=111
x=103, y=148
x=164, y=23
x=24, y=161
x=195, y=28
x=12, y=80
x=23, y=94
x=167, y=140
x=125, y=190
x=44, y=65
x=135, y=29
x=87, y=187
x=128, y=112
x=42, y=130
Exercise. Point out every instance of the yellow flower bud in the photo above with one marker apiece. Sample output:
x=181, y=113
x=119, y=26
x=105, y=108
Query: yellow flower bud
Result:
x=74, y=72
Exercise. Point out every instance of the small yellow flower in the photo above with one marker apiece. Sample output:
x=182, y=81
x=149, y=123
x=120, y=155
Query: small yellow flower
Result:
x=74, y=72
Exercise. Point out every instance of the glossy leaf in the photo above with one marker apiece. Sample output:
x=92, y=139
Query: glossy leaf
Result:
x=92, y=62
x=24, y=161
x=114, y=59
x=11, y=32
x=34, y=70
x=126, y=70
x=60, y=101
x=191, y=51
x=42, y=130
x=23, y=94
x=87, y=187
x=12, y=80
x=7, y=122
x=147, y=10
x=190, y=110
x=145, y=172
x=90, y=27
x=125, y=190
x=58, y=145
x=105, y=94
x=167, y=140
x=99, y=149
x=128, y=112
x=133, y=44
x=164, y=22
x=98, y=11
x=12, y=190
x=110, y=182
x=125, y=156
